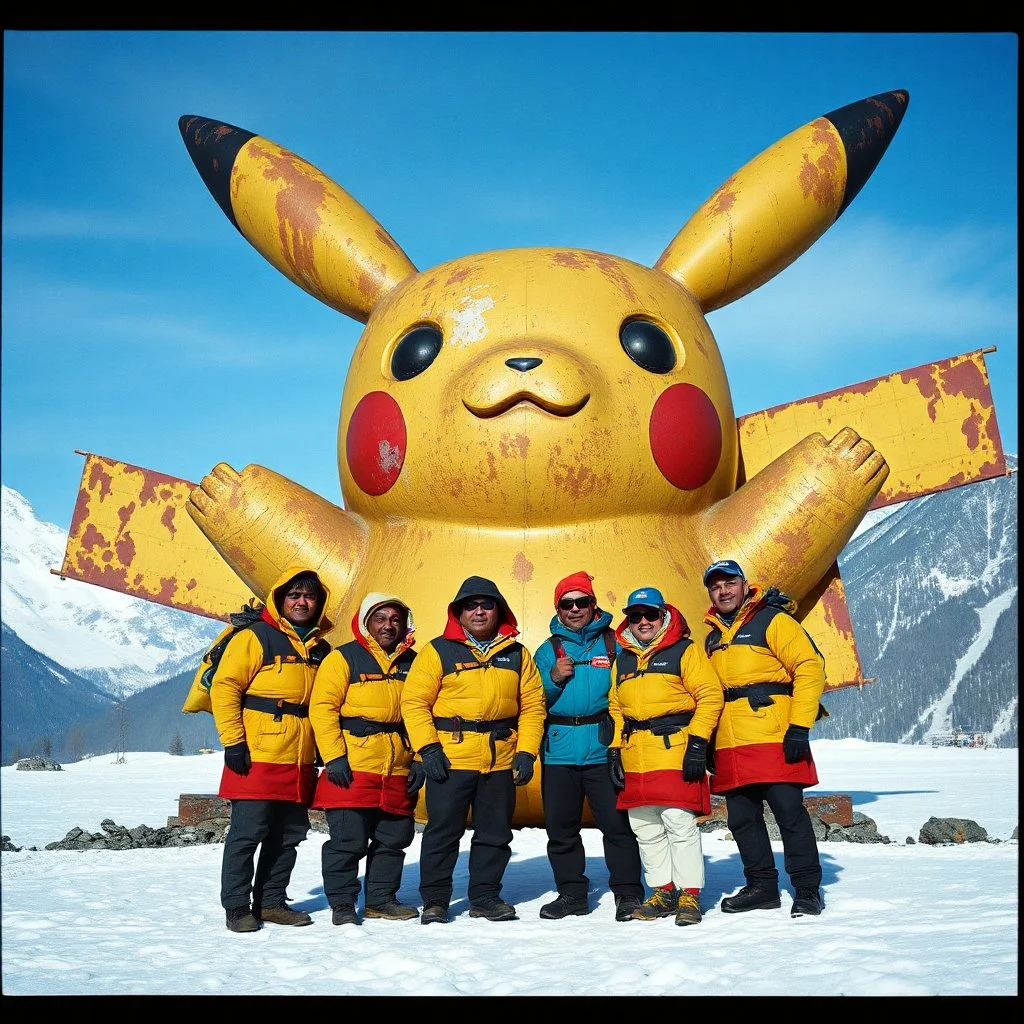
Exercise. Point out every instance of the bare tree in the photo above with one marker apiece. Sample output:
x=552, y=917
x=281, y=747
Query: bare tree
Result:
x=75, y=743
x=121, y=715
x=177, y=747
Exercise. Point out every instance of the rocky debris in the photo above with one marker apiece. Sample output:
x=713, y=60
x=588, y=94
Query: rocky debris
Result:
x=951, y=831
x=6, y=846
x=860, y=829
x=117, y=837
x=38, y=764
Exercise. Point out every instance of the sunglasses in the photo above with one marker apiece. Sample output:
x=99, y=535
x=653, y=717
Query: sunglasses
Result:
x=488, y=604
x=651, y=615
x=568, y=603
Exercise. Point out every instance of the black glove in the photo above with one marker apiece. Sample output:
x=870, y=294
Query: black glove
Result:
x=618, y=776
x=522, y=768
x=236, y=757
x=796, y=744
x=435, y=762
x=695, y=760
x=339, y=772
x=417, y=777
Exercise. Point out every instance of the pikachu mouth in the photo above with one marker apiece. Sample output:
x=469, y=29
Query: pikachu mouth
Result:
x=488, y=410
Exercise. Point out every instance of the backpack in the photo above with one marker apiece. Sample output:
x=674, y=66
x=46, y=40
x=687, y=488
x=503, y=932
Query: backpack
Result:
x=198, y=698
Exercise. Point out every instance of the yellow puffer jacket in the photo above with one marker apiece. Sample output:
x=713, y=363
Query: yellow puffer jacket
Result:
x=475, y=694
x=653, y=763
x=763, y=644
x=282, y=750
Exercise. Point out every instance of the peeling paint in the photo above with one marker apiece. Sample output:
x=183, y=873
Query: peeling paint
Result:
x=167, y=517
x=468, y=324
x=522, y=568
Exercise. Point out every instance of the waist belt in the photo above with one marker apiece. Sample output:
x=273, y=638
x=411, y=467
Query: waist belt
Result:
x=575, y=719
x=277, y=708
x=664, y=725
x=758, y=694
x=499, y=728
x=368, y=727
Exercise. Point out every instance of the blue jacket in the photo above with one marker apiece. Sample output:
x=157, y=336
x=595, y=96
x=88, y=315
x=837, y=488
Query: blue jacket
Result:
x=585, y=693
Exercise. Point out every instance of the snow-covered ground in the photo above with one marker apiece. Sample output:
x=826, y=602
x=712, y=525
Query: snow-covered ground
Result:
x=900, y=919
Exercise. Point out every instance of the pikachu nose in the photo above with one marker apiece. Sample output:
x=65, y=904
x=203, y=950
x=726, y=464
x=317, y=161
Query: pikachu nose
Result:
x=523, y=364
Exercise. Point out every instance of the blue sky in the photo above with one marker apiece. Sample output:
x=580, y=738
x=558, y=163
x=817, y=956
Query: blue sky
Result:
x=138, y=324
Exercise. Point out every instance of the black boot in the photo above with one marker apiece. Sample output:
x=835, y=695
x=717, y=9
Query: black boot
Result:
x=759, y=896
x=806, y=902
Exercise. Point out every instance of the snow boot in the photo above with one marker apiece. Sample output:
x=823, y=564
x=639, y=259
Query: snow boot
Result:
x=240, y=919
x=434, y=913
x=807, y=902
x=660, y=903
x=392, y=910
x=564, y=905
x=763, y=896
x=494, y=909
x=687, y=909
x=344, y=913
x=283, y=915
x=625, y=907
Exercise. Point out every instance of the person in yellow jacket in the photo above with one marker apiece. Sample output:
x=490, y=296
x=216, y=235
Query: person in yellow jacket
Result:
x=365, y=789
x=473, y=705
x=665, y=700
x=773, y=677
x=260, y=699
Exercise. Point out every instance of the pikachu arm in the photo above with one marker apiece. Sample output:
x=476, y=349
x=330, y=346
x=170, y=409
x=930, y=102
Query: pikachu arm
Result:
x=787, y=525
x=261, y=522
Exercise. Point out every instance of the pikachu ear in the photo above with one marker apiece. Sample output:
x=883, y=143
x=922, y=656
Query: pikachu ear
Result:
x=305, y=224
x=775, y=207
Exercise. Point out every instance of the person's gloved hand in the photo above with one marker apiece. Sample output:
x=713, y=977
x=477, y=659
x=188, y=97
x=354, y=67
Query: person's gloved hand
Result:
x=796, y=744
x=237, y=759
x=417, y=777
x=695, y=760
x=435, y=762
x=618, y=776
x=522, y=767
x=339, y=772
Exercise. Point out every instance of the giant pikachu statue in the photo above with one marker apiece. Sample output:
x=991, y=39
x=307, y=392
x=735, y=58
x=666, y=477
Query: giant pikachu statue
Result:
x=527, y=413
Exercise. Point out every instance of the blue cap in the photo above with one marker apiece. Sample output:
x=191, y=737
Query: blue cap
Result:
x=726, y=566
x=645, y=597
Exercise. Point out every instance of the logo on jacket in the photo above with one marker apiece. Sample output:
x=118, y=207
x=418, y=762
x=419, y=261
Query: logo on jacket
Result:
x=601, y=662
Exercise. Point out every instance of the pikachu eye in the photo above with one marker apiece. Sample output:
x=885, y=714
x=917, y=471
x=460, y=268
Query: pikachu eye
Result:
x=415, y=352
x=648, y=346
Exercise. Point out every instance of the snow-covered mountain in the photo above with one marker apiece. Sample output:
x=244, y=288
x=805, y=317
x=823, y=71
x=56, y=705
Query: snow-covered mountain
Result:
x=120, y=643
x=932, y=589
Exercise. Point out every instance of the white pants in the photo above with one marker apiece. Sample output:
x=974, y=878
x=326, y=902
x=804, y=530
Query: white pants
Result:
x=670, y=846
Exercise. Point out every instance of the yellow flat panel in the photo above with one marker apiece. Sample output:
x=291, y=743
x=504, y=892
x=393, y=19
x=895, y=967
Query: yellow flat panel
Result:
x=826, y=617
x=130, y=533
x=935, y=425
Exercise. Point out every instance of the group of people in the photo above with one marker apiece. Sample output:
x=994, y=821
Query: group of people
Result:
x=638, y=721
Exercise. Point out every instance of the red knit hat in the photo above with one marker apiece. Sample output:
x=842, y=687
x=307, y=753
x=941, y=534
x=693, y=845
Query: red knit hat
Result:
x=577, y=581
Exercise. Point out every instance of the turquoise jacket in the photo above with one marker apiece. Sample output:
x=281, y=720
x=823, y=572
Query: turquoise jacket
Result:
x=585, y=693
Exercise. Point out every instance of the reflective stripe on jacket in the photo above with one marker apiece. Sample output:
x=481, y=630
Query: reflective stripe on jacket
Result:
x=763, y=644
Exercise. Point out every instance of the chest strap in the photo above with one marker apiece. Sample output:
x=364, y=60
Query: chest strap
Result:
x=664, y=725
x=575, y=719
x=277, y=708
x=499, y=729
x=758, y=694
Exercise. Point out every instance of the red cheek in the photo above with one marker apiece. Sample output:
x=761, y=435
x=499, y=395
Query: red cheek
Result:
x=375, y=443
x=686, y=436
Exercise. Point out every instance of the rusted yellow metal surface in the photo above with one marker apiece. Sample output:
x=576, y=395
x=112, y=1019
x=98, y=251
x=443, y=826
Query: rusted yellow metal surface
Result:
x=935, y=424
x=130, y=533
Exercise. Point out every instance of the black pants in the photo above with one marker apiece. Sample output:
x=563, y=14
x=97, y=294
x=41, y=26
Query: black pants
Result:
x=492, y=798
x=745, y=809
x=563, y=788
x=369, y=832
x=276, y=827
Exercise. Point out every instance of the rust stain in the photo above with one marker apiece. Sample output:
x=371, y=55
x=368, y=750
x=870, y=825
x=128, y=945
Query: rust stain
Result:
x=572, y=260
x=927, y=385
x=167, y=494
x=109, y=576
x=522, y=568
x=724, y=198
x=514, y=447
x=92, y=538
x=98, y=476
x=166, y=592
x=192, y=584
x=579, y=481
x=458, y=275
x=456, y=487
x=167, y=519
x=107, y=556
x=81, y=512
x=153, y=482
x=125, y=548
x=971, y=429
x=492, y=466
x=819, y=178
x=385, y=239
x=124, y=513
x=837, y=612
x=614, y=272
x=966, y=379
